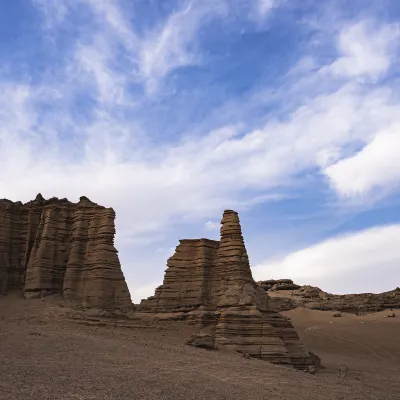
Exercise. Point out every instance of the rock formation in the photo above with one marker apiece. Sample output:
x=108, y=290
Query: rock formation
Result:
x=210, y=282
x=285, y=298
x=58, y=246
x=280, y=284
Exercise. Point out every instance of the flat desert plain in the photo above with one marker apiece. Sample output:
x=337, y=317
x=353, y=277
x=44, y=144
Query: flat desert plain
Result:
x=47, y=353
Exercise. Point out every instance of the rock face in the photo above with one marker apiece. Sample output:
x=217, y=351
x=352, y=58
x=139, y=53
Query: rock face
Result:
x=314, y=298
x=210, y=282
x=58, y=246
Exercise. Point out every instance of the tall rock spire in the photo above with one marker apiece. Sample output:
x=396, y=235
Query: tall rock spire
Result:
x=232, y=254
x=232, y=263
x=209, y=282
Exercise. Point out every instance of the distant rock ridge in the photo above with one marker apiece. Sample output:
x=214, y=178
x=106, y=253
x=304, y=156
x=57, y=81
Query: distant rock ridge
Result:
x=285, y=295
x=55, y=245
x=209, y=282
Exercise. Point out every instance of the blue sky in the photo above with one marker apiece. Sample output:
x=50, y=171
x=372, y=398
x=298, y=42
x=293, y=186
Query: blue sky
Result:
x=172, y=111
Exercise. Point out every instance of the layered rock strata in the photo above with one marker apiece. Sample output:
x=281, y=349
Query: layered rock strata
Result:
x=210, y=282
x=283, y=299
x=58, y=246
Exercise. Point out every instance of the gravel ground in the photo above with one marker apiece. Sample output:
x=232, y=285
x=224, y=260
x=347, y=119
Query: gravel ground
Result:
x=45, y=356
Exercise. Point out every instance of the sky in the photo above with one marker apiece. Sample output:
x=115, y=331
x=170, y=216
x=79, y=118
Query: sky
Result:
x=286, y=111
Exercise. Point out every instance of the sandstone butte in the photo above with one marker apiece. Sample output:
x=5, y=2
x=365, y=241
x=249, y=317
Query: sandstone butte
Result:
x=54, y=245
x=209, y=282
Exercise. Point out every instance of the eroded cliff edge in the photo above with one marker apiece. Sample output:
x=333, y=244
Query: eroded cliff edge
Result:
x=210, y=283
x=286, y=295
x=58, y=246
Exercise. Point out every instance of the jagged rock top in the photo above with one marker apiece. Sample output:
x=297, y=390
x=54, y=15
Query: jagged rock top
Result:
x=41, y=201
x=39, y=197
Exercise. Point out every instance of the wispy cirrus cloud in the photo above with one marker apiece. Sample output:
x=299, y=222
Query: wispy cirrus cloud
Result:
x=318, y=134
x=81, y=128
x=174, y=44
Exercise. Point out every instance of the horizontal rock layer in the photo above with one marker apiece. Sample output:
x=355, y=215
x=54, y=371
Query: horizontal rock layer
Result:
x=210, y=283
x=315, y=298
x=58, y=246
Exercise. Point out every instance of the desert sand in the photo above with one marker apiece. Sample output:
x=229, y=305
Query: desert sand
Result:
x=48, y=352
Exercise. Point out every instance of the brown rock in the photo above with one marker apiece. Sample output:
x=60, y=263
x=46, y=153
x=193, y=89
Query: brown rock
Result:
x=202, y=340
x=280, y=284
x=315, y=298
x=338, y=314
x=55, y=246
x=210, y=282
x=316, y=360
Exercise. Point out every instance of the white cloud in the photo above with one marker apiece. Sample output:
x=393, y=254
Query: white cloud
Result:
x=376, y=166
x=212, y=225
x=160, y=50
x=366, y=50
x=109, y=13
x=174, y=44
x=54, y=11
x=333, y=261
x=143, y=292
x=265, y=6
x=111, y=171
x=93, y=59
x=320, y=132
x=105, y=158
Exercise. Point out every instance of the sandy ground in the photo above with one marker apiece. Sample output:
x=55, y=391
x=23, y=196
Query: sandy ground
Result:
x=44, y=356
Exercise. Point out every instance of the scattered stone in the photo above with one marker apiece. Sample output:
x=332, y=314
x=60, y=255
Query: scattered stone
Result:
x=392, y=315
x=34, y=333
x=342, y=371
x=311, y=370
x=202, y=340
x=316, y=360
x=33, y=295
x=338, y=314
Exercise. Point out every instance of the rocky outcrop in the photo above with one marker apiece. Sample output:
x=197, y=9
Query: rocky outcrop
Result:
x=280, y=284
x=210, y=283
x=188, y=278
x=54, y=245
x=314, y=298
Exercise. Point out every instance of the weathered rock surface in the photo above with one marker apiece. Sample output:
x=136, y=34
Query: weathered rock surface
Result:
x=54, y=245
x=280, y=284
x=314, y=298
x=201, y=339
x=210, y=283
